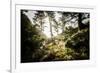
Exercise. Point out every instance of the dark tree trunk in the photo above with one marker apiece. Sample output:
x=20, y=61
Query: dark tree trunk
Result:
x=80, y=21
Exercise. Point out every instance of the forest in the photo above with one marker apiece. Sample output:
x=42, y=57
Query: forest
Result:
x=54, y=36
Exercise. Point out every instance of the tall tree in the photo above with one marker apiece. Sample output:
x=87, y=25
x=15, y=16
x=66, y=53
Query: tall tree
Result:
x=56, y=25
x=39, y=19
x=50, y=15
x=65, y=18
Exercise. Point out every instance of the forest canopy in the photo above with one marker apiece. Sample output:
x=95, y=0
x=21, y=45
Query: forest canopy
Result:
x=54, y=36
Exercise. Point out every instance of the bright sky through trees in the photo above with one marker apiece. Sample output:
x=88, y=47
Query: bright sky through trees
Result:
x=46, y=31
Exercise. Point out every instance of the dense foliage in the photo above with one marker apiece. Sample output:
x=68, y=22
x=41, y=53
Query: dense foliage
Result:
x=68, y=39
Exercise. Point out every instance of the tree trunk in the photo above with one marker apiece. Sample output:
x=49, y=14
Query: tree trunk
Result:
x=41, y=25
x=63, y=25
x=80, y=24
x=50, y=28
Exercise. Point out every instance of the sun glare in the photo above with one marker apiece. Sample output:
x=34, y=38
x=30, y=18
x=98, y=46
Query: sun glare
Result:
x=31, y=14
